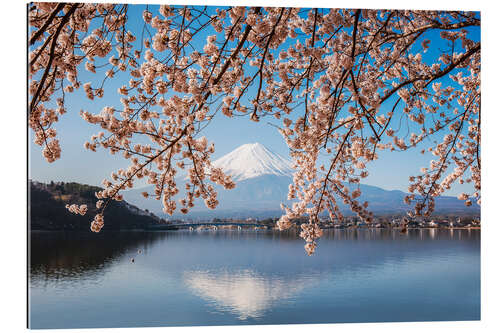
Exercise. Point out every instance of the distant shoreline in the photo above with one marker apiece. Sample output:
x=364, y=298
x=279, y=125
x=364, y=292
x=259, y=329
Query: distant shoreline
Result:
x=231, y=228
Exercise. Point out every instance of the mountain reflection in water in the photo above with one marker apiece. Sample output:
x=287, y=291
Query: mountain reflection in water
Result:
x=245, y=293
x=80, y=280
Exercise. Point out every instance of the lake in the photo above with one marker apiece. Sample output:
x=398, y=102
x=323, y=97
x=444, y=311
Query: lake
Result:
x=179, y=278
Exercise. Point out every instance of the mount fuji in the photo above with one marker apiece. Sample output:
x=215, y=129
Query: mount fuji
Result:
x=254, y=160
x=262, y=178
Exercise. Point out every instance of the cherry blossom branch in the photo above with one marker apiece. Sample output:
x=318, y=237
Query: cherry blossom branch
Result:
x=65, y=19
x=49, y=20
x=266, y=48
x=437, y=75
x=332, y=165
x=311, y=59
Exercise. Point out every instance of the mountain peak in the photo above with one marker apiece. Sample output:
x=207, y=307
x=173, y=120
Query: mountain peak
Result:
x=253, y=160
x=252, y=146
x=255, y=144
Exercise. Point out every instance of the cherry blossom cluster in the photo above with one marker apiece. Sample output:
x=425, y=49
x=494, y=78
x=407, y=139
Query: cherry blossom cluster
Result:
x=369, y=72
x=75, y=209
x=310, y=232
x=60, y=40
x=97, y=223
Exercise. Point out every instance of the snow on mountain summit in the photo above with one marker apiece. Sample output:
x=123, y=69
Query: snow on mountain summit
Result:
x=253, y=160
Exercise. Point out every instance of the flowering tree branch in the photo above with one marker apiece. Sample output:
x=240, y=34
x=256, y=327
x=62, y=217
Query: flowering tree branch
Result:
x=327, y=75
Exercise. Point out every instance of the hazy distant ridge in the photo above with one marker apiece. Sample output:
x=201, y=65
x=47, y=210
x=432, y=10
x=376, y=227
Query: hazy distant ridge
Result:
x=262, y=178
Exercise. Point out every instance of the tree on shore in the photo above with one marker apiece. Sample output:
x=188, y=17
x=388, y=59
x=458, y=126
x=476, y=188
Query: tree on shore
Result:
x=347, y=83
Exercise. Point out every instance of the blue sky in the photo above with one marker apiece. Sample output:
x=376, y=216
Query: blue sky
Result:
x=390, y=171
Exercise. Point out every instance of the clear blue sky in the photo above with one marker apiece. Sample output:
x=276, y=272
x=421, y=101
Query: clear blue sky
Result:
x=391, y=171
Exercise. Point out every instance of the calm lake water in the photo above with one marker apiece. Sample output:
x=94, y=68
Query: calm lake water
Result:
x=81, y=280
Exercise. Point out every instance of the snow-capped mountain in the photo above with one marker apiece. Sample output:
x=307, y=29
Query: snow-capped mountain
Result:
x=253, y=160
x=262, y=178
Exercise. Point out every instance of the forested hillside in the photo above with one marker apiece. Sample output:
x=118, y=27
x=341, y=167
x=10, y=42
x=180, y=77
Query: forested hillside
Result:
x=46, y=208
